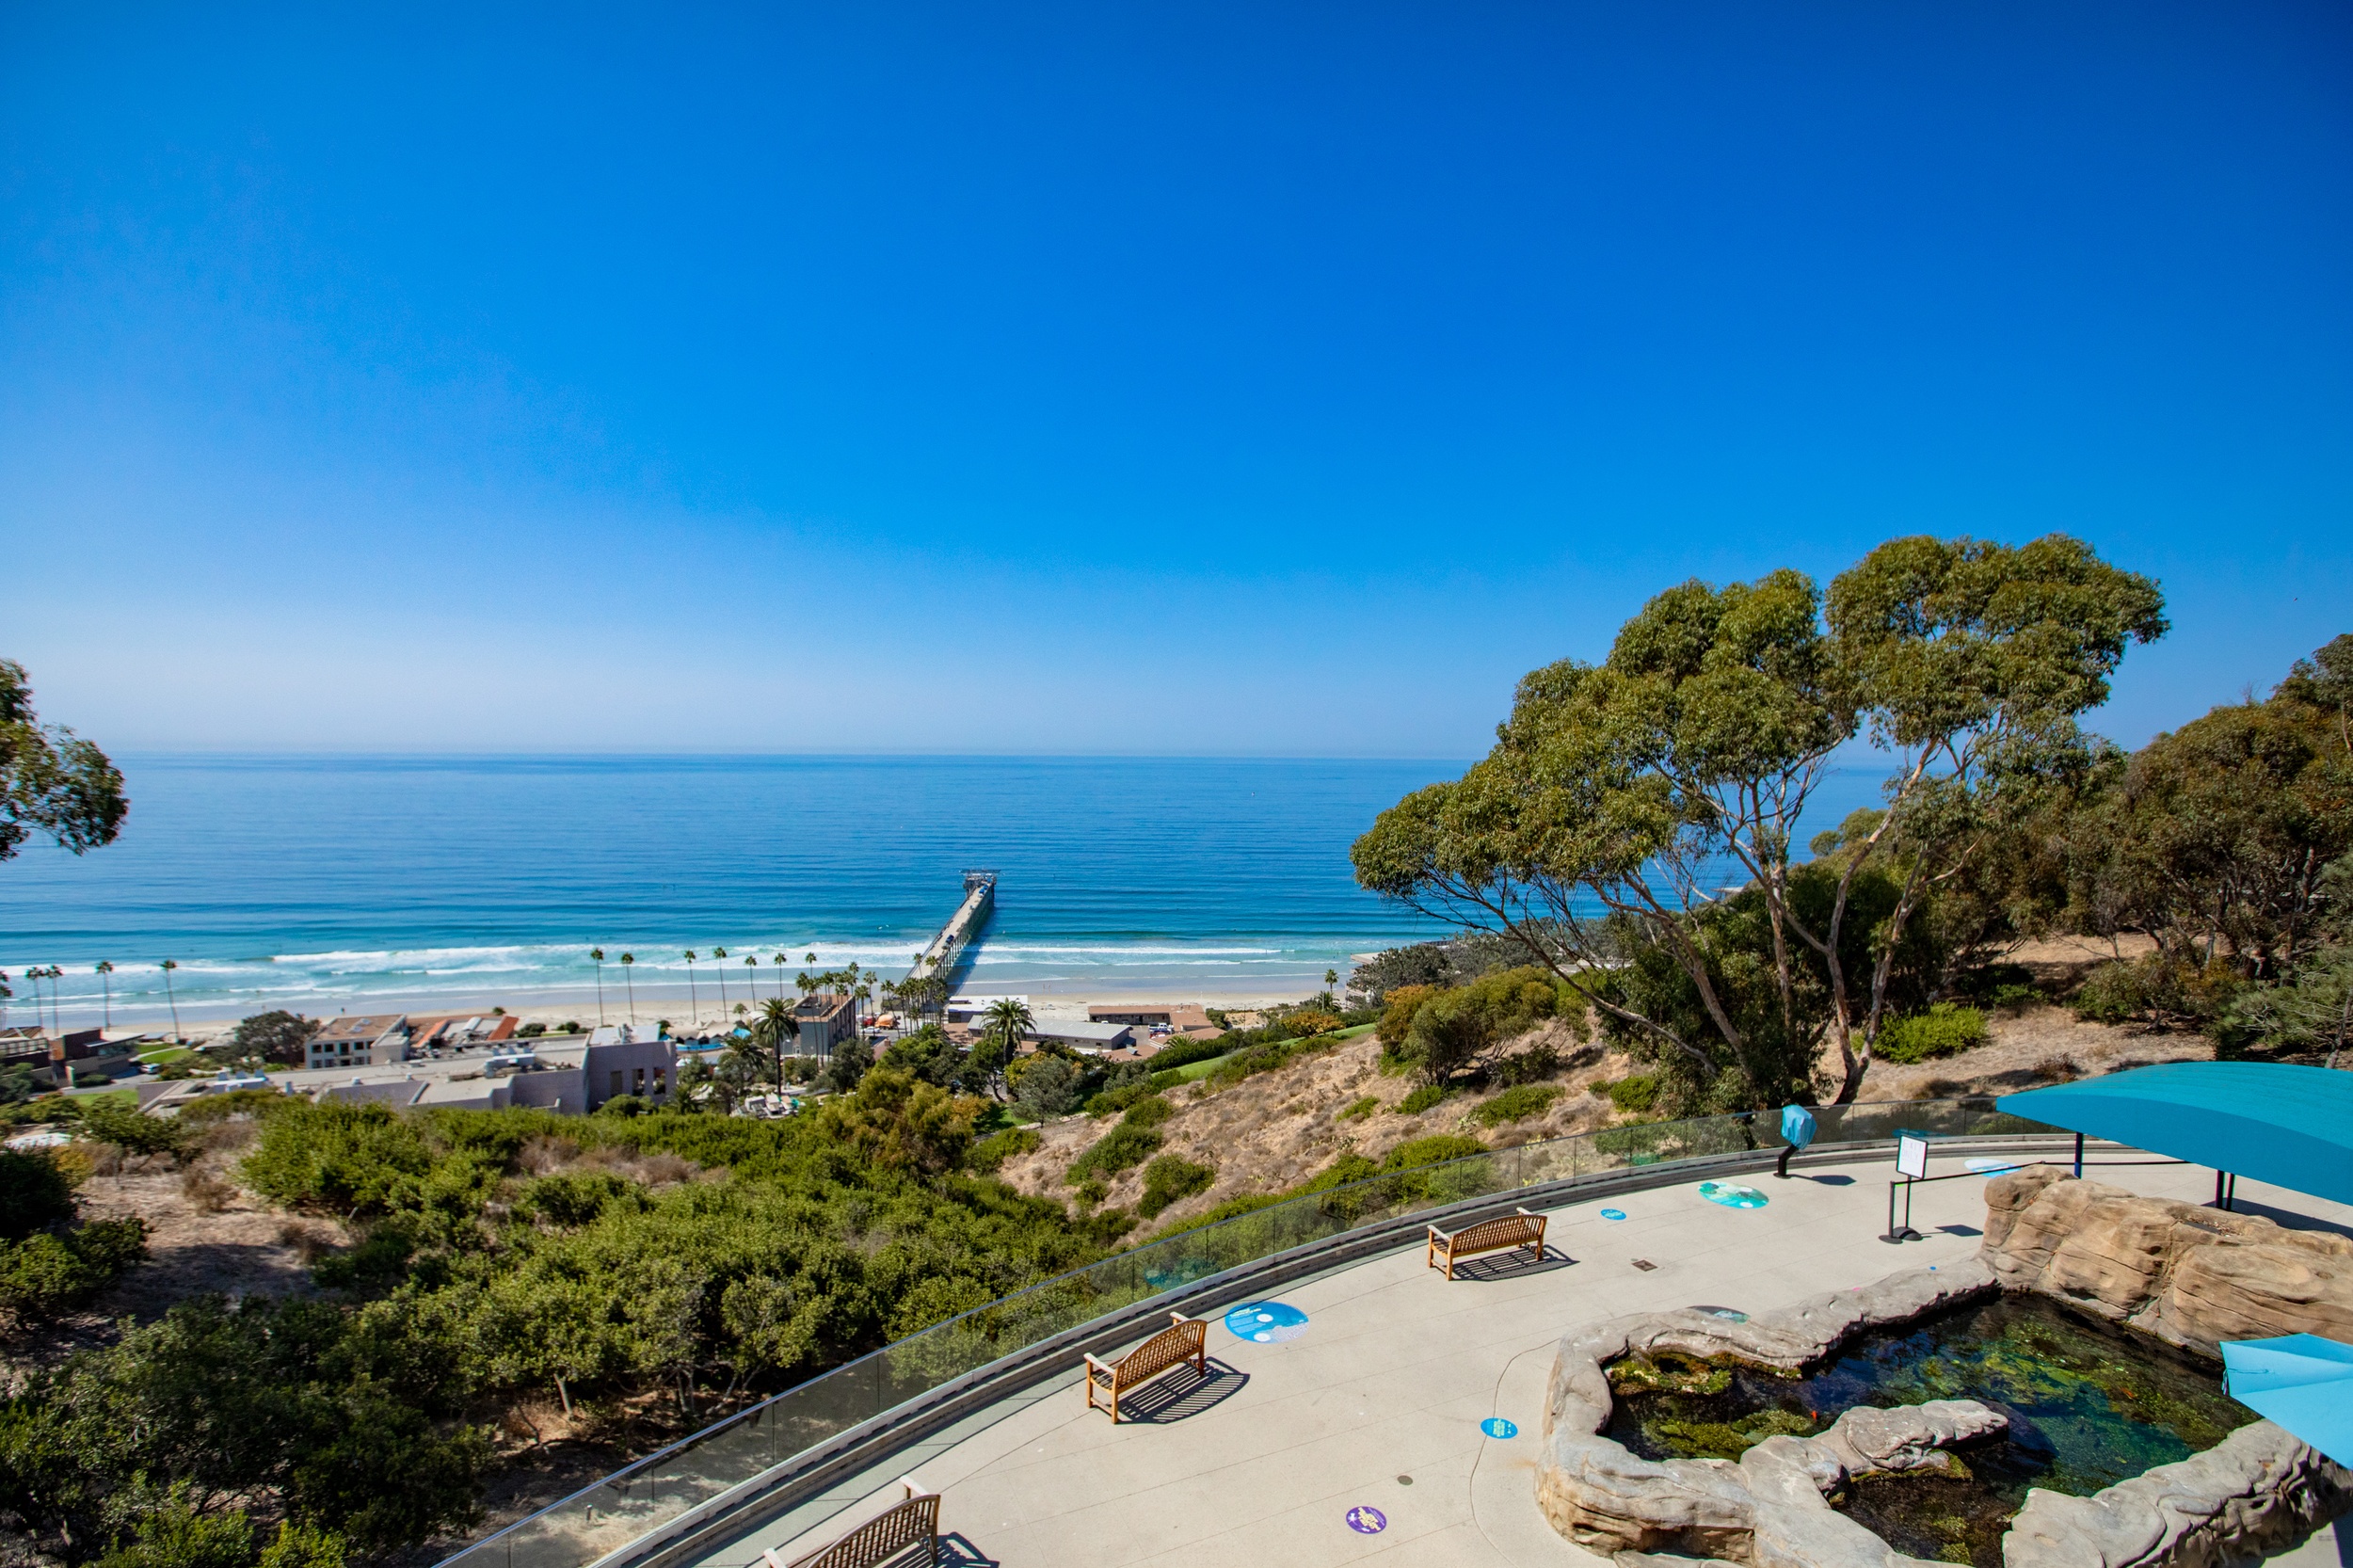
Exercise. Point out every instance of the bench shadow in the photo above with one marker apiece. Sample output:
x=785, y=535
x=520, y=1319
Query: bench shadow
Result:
x=1827, y=1180
x=956, y=1550
x=1513, y=1265
x=1182, y=1393
x=1960, y=1230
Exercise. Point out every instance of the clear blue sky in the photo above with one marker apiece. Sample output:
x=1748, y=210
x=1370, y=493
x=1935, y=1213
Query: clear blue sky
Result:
x=1265, y=379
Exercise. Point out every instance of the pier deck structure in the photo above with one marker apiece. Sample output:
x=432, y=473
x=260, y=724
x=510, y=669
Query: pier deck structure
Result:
x=948, y=951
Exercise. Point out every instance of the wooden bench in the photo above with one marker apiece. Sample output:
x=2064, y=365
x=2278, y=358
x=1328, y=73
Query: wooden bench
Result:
x=1184, y=1339
x=905, y=1525
x=1517, y=1229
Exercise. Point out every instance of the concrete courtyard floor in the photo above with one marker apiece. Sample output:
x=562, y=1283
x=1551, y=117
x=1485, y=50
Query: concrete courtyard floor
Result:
x=1378, y=1404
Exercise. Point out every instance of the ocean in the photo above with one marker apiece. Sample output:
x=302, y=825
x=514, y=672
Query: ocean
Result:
x=341, y=884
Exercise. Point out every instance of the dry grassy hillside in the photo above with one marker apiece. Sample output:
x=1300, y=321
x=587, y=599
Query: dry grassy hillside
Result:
x=1277, y=1129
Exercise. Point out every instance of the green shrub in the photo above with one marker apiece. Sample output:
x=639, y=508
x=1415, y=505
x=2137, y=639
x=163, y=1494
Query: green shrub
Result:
x=1634, y=1094
x=1420, y=1101
x=1358, y=1110
x=45, y=1275
x=1941, y=1031
x=1532, y=1065
x=352, y=1159
x=994, y=1151
x=110, y=1121
x=34, y=1195
x=1433, y=1150
x=1231, y=1208
x=1170, y=1178
x=2156, y=992
x=1112, y=1101
x=2010, y=997
x=573, y=1198
x=1122, y=1149
x=1149, y=1111
x=1517, y=1104
x=1184, y=1054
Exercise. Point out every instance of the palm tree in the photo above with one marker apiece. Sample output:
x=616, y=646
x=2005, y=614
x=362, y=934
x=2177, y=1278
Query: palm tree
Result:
x=692, y=1006
x=629, y=959
x=34, y=973
x=751, y=961
x=598, y=954
x=718, y=956
x=1331, y=978
x=774, y=1027
x=778, y=959
x=104, y=968
x=56, y=1020
x=1009, y=1018
x=169, y=966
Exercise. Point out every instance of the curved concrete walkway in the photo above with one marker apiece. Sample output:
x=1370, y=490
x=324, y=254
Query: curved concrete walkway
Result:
x=1378, y=1404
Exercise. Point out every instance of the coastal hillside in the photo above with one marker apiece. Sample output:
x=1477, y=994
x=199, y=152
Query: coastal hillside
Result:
x=1275, y=1131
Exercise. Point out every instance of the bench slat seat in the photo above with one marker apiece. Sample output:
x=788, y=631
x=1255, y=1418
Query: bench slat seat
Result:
x=914, y=1521
x=1515, y=1230
x=1185, y=1339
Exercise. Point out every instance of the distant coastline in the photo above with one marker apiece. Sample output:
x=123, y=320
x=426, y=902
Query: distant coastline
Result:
x=336, y=883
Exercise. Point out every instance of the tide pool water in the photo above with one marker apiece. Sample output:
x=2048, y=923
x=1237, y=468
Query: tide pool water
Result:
x=331, y=883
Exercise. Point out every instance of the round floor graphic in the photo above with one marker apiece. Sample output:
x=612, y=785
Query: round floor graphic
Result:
x=1613, y=1213
x=1368, y=1521
x=1732, y=1194
x=1266, y=1322
x=1495, y=1426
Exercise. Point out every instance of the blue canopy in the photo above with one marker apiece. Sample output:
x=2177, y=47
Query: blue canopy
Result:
x=2292, y=1126
x=2299, y=1381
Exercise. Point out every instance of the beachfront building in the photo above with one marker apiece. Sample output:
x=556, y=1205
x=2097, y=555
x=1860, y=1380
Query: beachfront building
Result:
x=569, y=1078
x=1177, y=1018
x=374, y=1040
x=825, y=1021
x=1092, y=1038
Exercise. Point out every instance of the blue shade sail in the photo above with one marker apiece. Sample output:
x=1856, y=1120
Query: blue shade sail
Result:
x=2299, y=1381
x=2291, y=1126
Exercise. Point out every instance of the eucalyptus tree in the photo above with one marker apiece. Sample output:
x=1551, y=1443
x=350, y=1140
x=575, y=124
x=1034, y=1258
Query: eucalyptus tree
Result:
x=1622, y=800
x=51, y=782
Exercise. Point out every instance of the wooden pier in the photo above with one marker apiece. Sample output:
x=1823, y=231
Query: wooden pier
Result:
x=945, y=956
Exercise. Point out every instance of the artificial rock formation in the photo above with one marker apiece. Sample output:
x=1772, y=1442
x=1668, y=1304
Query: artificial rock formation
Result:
x=2257, y=1492
x=1768, y=1509
x=2195, y=1276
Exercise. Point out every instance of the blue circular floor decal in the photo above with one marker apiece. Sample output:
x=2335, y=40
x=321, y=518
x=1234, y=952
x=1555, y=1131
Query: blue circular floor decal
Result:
x=1732, y=1194
x=1368, y=1521
x=1266, y=1322
x=1613, y=1213
x=1495, y=1426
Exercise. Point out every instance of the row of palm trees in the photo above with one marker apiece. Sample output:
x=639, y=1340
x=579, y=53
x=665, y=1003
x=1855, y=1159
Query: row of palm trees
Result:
x=852, y=981
x=104, y=971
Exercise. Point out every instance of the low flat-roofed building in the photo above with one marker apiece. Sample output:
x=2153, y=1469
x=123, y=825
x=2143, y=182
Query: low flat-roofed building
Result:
x=1092, y=1038
x=371, y=1040
x=1151, y=1015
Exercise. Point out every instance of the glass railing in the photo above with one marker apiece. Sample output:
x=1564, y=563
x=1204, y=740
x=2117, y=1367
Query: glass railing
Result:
x=641, y=1498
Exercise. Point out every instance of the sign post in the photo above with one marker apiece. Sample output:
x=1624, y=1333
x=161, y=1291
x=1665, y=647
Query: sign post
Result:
x=1912, y=1165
